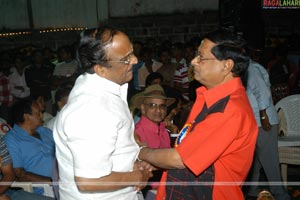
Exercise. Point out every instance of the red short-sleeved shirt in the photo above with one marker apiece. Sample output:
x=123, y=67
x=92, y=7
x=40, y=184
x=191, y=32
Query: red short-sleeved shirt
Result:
x=226, y=140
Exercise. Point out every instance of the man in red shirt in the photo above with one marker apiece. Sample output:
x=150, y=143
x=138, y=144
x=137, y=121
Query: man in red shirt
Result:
x=214, y=150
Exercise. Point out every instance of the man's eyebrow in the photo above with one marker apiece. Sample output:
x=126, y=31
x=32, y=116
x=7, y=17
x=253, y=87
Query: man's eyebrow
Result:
x=131, y=52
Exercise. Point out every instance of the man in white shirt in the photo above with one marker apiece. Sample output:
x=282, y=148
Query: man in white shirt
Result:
x=68, y=65
x=94, y=131
x=17, y=83
x=150, y=65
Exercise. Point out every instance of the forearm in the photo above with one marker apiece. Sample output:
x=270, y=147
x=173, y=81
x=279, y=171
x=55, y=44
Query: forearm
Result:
x=31, y=177
x=111, y=182
x=3, y=188
x=7, y=177
x=162, y=158
x=5, y=184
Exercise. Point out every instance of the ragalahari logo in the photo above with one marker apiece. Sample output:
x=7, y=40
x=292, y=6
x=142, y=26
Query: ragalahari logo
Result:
x=280, y=4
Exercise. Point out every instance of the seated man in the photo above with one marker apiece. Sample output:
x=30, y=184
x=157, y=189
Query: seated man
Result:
x=7, y=177
x=151, y=128
x=30, y=145
x=66, y=70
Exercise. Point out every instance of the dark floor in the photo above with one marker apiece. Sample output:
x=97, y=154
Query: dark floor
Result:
x=293, y=180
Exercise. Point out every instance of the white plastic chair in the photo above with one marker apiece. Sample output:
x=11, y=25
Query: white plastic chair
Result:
x=28, y=187
x=289, y=127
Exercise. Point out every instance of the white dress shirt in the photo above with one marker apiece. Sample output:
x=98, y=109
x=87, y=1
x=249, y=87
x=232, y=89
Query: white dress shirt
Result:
x=94, y=137
x=15, y=79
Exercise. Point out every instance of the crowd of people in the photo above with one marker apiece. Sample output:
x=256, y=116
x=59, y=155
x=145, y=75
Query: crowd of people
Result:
x=112, y=118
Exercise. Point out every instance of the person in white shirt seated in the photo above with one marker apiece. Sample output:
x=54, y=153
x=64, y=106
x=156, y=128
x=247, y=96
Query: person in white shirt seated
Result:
x=66, y=70
x=17, y=83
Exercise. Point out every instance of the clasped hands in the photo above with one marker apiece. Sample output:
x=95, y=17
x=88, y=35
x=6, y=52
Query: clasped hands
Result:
x=145, y=170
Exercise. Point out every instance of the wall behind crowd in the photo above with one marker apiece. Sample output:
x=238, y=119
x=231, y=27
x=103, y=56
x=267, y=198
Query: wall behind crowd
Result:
x=130, y=8
x=47, y=20
x=142, y=20
x=175, y=27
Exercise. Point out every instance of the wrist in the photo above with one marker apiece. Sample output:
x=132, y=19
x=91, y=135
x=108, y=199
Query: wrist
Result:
x=263, y=114
x=141, y=147
x=262, y=117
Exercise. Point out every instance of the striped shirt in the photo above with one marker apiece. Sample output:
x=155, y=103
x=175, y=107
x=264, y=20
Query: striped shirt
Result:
x=4, y=154
x=182, y=76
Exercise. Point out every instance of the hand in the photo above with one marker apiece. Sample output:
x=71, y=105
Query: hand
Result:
x=145, y=165
x=136, y=166
x=265, y=124
x=145, y=174
x=170, y=126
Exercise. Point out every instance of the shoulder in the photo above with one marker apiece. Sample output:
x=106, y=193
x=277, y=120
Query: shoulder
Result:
x=239, y=101
x=43, y=130
x=9, y=136
x=73, y=63
x=141, y=124
x=11, y=139
x=46, y=134
x=157, y=64
x=87, y=108
x=12, y=76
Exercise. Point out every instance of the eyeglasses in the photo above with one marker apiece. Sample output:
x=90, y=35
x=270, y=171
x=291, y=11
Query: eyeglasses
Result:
x=126, y=60
x=155, y=106
x=199, y=59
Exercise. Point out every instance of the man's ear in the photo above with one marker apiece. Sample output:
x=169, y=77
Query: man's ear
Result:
x=100, y=70
x=228, y=65
x=26, y=117
x=60, y=104
x=143, y=109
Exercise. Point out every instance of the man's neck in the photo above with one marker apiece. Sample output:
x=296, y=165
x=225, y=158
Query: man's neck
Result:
x=28, y=129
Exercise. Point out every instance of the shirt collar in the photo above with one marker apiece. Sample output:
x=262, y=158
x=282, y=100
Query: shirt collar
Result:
x=98, y=84
x=150, y=124
x=212, y=95
x=20, y=130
